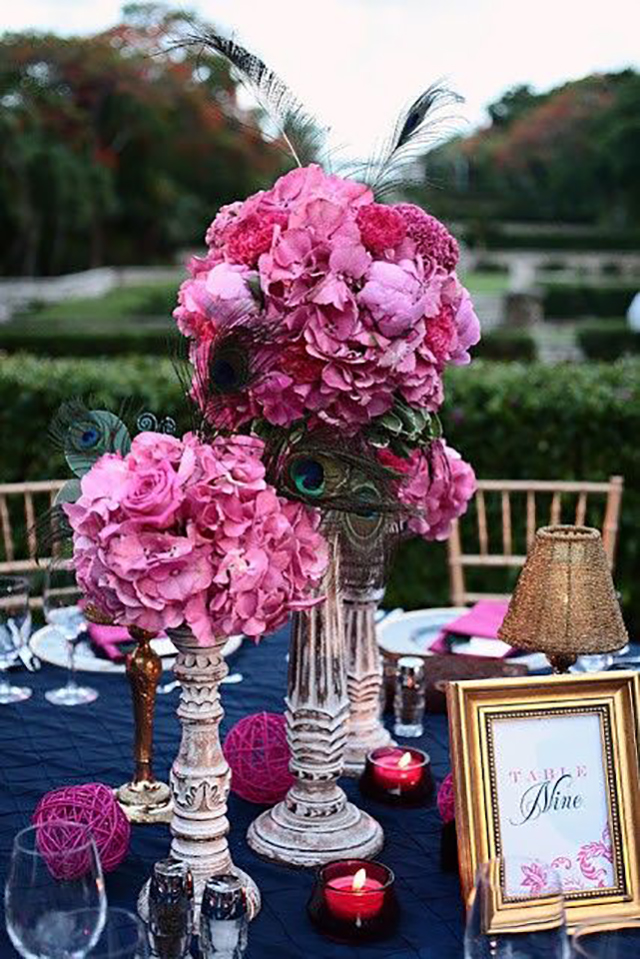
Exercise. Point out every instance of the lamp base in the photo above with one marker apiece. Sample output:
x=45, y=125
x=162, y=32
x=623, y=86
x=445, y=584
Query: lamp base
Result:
x=562, y=662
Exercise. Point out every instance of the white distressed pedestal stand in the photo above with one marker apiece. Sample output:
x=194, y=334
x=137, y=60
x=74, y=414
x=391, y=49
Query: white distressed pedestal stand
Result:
x=315, y=824
x=365, y=730
x=200, y=775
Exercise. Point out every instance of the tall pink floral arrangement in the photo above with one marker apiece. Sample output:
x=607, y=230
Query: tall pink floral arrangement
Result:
x=352, y=305
x=182, y=532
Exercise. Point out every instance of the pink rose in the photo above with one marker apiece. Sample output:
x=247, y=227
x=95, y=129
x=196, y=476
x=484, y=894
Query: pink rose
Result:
x=153, y=494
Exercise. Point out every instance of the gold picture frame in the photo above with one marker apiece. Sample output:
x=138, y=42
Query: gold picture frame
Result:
x=485, y=716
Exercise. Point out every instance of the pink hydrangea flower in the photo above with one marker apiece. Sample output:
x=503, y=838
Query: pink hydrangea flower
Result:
x=184, y=533
x=438, y=488
x=358, y=301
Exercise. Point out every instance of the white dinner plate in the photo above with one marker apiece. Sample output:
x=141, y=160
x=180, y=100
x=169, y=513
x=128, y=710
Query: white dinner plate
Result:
x=49, y=645
x=412, y=633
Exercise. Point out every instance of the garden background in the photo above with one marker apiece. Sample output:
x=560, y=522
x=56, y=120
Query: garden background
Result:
x=114, y=159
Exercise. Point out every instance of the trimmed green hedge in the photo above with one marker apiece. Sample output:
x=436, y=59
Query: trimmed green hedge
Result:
x=607, y=339
x=506, y=344
x=573, y=300
x=510, y=420
x=87, y=339
x=91, y=338
x=513, y=421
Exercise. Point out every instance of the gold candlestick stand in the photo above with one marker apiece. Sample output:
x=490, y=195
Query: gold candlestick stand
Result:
x=144, y=799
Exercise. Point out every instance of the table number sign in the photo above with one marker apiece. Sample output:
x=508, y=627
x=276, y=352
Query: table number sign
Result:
x=546, y=773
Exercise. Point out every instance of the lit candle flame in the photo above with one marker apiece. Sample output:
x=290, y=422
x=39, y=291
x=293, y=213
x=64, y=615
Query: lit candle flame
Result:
x=404, y=760
x=359, y=880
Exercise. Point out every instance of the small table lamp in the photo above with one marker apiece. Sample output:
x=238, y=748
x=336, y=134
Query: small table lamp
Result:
x=564, y=604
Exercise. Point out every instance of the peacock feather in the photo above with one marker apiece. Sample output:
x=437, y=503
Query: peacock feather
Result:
x=85, y=435
x=321, y=470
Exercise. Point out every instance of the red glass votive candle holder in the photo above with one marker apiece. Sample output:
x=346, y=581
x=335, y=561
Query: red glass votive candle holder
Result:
x=354, y=901
x=396, y=775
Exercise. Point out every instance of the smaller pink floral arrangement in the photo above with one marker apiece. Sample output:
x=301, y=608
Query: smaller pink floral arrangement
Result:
x=179, y=532
x=437, y=486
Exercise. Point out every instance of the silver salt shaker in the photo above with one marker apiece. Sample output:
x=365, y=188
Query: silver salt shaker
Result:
x=170, y=925
x=224, y=924
x=409, y=699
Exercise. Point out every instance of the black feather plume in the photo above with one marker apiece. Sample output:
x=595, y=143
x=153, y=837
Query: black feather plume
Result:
x=416, y=129
x=300, y=131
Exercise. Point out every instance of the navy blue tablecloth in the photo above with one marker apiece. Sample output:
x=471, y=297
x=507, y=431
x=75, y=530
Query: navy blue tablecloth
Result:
x=44, y=746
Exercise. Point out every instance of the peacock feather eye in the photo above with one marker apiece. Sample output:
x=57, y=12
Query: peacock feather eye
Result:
x=89, y=437
x=365, y=498
x=308, y=477
x=228, y=368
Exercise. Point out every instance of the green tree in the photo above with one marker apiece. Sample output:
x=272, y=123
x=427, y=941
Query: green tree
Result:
x=571, y=154
x=114, y=149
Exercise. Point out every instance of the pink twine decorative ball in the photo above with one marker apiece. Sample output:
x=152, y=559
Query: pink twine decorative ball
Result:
x=446, y=800
x=257, y=751
x=92, y=805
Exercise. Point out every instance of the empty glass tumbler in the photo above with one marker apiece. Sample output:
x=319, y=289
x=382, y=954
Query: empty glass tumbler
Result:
x=409, y=698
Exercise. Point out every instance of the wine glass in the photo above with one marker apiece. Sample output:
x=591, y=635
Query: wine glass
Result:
x=55, y=900
x=608, y=939
x=14, y=629
x=123, y=937
x=538, y=890
x=62, y=609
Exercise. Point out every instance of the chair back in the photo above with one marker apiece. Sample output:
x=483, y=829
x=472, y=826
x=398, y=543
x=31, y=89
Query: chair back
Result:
x=21, y=505
x=514, y=509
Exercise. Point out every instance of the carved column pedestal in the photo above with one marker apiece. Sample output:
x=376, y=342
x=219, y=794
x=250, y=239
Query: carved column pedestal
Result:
x=365, y=730
x=315, y=824
x=200, y=776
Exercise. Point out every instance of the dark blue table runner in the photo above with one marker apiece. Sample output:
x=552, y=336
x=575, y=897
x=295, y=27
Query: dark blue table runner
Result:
x=44, y=746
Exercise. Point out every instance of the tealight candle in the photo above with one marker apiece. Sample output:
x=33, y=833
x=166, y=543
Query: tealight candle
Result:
x=397, y=775
x=397, y=769
x=358, y=896
x=354, y=901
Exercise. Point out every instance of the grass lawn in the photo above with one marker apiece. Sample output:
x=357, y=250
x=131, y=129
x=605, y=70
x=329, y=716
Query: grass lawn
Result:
x=135, y=319
x=485, y=282
x=150, y=299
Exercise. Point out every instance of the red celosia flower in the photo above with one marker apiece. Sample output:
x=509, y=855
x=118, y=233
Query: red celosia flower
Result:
x=431, y=237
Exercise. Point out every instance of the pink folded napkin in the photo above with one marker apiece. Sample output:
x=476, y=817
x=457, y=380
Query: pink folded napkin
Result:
x=107, y=641
x=483, y=620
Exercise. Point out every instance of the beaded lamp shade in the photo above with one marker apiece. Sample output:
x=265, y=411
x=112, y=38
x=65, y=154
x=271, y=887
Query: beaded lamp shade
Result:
x=564, y=604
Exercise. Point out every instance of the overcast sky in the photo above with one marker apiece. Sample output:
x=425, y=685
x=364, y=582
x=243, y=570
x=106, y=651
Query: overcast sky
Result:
x=356, y=63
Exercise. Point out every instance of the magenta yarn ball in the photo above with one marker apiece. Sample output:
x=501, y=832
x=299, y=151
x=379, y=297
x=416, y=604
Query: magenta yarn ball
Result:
x=92, y=805
x=257, y=751
x=446, y=800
